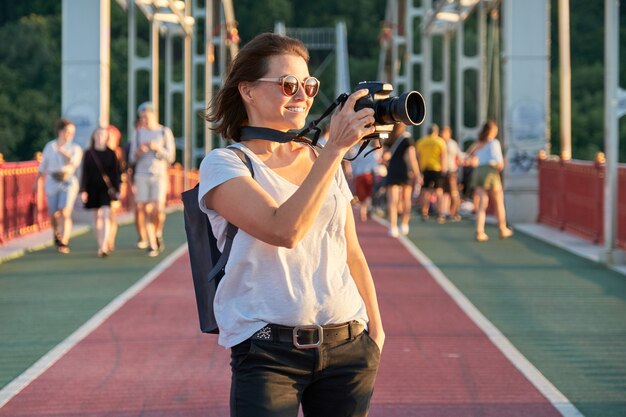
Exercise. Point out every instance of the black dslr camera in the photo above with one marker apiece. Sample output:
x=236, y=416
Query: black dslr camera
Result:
x=409, y=108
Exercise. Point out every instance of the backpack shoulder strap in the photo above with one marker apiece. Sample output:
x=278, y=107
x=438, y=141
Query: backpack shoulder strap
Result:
x=231, y=229
x=244, y=158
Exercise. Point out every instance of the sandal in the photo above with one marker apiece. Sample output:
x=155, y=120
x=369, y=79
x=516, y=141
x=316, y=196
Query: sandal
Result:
x=63, y=248
x=481, y=237
x=506, y=233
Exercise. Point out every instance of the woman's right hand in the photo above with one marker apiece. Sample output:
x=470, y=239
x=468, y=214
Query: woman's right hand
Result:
x=348, y=127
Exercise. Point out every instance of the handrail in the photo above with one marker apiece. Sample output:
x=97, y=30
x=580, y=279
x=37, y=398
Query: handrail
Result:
x=571, y=198
x=24, y=211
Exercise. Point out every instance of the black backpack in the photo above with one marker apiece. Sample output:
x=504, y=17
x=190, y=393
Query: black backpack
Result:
x=207, y=262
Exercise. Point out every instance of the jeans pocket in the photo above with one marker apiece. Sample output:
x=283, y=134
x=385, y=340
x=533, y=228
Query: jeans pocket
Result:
x=239, y=353
x=371, y=342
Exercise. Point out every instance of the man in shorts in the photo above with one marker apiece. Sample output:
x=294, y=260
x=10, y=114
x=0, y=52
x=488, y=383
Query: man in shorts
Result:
x=152, y=150
x=433, y=160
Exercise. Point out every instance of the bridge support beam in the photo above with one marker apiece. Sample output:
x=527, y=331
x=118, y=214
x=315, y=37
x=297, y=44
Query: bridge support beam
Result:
x=525, y=62
x=85, y=65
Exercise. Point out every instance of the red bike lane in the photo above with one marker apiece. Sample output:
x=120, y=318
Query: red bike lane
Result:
x=149, y=358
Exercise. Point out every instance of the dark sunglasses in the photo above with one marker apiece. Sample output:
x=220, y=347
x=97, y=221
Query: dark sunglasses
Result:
x=290, y=85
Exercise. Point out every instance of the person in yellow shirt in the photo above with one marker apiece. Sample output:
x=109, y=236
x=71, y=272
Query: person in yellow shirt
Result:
x=433, y=161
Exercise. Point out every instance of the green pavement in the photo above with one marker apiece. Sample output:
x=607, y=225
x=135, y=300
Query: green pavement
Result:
x=45, y=296
x=567, y=315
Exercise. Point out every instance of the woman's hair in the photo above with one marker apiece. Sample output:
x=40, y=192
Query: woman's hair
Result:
x=92, y=140
x=227, y=110
x=486, y=129
x=62, y=124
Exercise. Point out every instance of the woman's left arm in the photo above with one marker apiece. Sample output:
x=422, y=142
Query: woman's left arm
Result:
x=363, y=278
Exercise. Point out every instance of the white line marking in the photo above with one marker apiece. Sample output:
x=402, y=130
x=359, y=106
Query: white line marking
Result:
x=18, y=384
x=556, y=397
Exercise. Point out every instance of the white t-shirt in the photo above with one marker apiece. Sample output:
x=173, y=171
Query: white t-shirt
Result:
x=490, y=153
x=454, y=154
x=309, y=284
x=153, y=163
x=52, y=161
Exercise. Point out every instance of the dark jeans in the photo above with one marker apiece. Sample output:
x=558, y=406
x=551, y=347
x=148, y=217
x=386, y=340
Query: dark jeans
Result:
x=271, y=379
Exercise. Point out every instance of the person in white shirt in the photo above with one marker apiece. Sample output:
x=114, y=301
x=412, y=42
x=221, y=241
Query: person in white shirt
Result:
x=451, y=195
x=486, y=156
x=60, y=159
x=297, y=303
x=152, y=150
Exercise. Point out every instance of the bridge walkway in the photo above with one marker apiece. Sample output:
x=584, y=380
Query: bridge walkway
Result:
x=502, y=328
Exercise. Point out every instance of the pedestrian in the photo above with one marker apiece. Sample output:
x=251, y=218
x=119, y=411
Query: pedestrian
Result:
x=433, y=160
x=364, y=168
x=113, y=143
x=151, y=152
x=402, y=173
x=451, y=197
x=297, y=304
x=100, y=185
x=488, y=162
x=60, y=160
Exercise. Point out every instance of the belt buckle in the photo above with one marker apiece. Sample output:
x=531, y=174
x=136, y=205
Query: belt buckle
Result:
x=320, y=336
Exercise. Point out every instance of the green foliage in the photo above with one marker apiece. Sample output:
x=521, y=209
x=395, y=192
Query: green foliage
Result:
x=30, y=64
x=30, y=84
x=587, y=67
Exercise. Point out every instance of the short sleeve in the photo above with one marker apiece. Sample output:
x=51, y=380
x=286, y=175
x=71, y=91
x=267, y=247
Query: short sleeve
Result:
x=219, y=166
x=45, y=156
x=342, y=183
x=497, y=151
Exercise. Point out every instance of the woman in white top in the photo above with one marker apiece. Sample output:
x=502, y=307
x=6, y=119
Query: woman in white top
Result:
x=487, y=159
x=297, y=294
x=60, y=159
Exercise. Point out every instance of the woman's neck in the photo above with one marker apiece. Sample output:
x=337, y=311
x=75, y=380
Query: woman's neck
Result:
x=61, y=141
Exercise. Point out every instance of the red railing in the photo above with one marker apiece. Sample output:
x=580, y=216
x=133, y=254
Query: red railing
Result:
x=571, y=198
x=23, y=210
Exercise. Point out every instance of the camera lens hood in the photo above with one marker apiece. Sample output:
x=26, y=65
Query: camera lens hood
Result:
x=410, y=108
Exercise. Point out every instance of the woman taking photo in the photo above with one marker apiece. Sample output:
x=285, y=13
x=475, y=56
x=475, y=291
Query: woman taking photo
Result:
x=486, y=155
x=297, y=304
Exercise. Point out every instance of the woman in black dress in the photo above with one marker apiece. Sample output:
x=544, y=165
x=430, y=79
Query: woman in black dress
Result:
x=402, y=172
x=100, y=185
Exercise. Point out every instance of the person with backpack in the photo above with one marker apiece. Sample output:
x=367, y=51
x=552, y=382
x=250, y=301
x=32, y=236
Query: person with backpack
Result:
x=152, y=150
x=297, y=304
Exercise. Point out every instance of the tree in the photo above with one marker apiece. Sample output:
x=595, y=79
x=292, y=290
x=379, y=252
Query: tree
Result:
x=30, y=84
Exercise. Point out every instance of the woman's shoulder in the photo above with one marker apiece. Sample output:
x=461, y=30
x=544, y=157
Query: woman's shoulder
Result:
x=49, y=145
x=220, y=158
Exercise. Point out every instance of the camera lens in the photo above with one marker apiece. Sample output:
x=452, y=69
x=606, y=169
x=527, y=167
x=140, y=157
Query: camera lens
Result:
x=409, y=108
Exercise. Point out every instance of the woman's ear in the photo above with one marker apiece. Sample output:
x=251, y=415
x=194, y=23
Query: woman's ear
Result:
x=245, y=90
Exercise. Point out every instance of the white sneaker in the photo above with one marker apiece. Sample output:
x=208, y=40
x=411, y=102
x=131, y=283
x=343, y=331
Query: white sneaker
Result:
x=404, y=229
x=393, y=232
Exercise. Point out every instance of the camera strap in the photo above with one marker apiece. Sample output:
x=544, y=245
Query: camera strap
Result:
x=314, y=124
x=253, y=132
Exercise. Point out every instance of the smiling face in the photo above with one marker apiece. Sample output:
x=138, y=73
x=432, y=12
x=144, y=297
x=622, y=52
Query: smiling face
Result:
x=265, y=102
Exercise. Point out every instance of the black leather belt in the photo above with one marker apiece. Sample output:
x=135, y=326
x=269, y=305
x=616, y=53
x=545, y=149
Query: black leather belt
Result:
x=309, y=336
